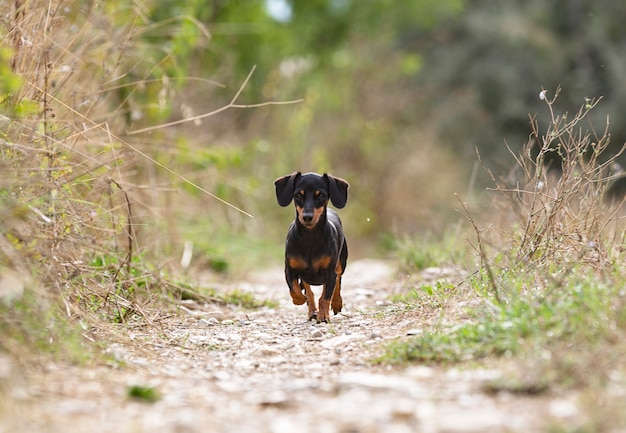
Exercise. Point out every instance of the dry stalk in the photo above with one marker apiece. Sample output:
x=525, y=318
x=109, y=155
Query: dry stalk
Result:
x=560, y=211
x=129, y=229
x=484, y=260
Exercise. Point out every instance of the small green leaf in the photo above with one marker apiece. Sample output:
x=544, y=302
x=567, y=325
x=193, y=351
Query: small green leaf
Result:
x=148, y=394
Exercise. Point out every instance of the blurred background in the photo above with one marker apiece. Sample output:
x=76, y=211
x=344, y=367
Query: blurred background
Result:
x=395, y=97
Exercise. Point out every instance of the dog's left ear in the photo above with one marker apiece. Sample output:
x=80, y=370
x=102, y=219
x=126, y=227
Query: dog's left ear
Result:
x=284, y=188
x=338, y=190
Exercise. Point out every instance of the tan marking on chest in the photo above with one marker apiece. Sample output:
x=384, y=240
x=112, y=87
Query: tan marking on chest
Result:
x=322, y=263
x=297, y=263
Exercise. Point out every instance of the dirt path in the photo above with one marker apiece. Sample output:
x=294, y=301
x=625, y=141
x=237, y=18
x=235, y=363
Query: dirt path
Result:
x=270, y=371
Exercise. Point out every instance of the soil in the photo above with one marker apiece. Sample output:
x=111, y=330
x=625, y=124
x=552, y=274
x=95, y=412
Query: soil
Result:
x=220, y=369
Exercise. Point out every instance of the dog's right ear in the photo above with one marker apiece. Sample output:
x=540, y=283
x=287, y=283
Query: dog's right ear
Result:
x=285, y=187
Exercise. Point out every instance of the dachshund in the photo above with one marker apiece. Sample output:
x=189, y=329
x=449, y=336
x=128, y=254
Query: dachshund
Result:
x=316, y=251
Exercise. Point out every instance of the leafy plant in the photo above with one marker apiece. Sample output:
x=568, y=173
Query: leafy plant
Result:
x=432, y=295
x=236, y=297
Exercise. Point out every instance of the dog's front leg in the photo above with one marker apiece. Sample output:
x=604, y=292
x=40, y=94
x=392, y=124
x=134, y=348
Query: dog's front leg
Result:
x=327, y=295
x=336, y=302
x=310, y=299
x=295, y=290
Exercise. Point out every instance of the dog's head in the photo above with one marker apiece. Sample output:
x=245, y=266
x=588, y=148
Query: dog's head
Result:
x=310, y=192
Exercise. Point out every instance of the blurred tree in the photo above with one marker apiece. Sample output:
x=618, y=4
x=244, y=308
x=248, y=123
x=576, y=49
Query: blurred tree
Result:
x=396, y=94
x=484, y=70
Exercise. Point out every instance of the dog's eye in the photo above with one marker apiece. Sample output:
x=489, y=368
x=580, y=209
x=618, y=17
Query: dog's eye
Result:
x=298, y=195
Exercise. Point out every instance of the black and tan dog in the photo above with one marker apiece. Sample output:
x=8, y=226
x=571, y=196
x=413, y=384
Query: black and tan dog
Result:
x=316, y=251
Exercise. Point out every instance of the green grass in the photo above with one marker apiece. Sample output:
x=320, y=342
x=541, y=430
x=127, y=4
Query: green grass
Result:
x=34, y=325
x=549, y=293
x=432, y=295
x=415, y=253
x=236, y=297
x=566, y=333
x=147, y=394
x=232, y=252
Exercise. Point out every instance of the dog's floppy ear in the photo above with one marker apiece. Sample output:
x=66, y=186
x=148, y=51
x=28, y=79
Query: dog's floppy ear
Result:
x=338, y=190
x=284, y=188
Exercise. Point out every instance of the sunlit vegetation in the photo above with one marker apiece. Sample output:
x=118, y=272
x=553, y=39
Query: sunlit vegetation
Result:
x=139, y=142
x=549, y=290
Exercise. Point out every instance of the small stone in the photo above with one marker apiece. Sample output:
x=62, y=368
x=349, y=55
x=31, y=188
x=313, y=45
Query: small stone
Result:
x=277, y=360
x=338, y=341
x=268, y=351
x=414, y=332
x=421, y=372
x=217, y=315
x=362, y=323
x=359, y=291
x=274, y=399
x=316, y=333
x=563, y=408
x=211, y=321
x=245, y=364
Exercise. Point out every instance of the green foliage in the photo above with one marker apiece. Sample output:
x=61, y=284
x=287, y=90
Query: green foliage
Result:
x=246, y=300
x=496, y=57
x=228, y=252
x=236, y=297
x=420, y=252
x=578, y=312
x=432, y=295
x=34, y=321
x=551, y=276
x=147, y=394
x=10, y=82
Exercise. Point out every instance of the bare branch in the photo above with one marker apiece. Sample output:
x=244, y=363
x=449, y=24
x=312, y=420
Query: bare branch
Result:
x=230, y=105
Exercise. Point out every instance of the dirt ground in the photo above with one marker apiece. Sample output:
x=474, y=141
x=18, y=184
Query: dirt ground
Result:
x=228, y=370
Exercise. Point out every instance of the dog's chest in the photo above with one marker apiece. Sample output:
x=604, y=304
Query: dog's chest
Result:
x=314, y=265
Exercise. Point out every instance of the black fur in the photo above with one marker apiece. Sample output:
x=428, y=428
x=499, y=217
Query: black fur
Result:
x=316, y=251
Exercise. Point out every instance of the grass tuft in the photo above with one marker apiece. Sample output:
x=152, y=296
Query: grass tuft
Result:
x=147, y=394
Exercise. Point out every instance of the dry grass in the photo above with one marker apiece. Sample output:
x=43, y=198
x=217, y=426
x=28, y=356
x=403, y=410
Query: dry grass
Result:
x=553, y=211
x=77, y=197
x=68, y=226
x=558, y=198
x=550, y=275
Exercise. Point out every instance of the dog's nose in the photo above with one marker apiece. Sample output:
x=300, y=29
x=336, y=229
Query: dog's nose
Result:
x=307, y=217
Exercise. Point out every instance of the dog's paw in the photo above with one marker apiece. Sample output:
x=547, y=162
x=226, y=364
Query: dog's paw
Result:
x=313, y=315
x=297, y=297
x=323, y=317
x=336, y=305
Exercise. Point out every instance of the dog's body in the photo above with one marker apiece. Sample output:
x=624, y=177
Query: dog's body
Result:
x=316, y=251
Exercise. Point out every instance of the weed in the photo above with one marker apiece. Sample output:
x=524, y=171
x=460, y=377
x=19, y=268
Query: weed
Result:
x=236, y=297
x=429, y=295
x=415, y=254
x=551, y=273
x=146, y=394
x=35, y=322
x=244, y=299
